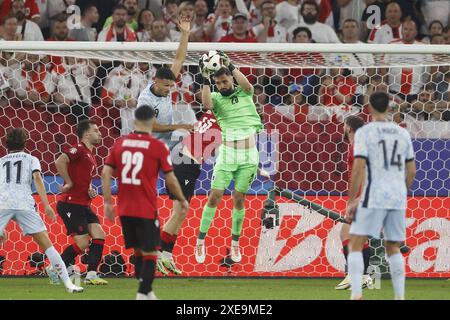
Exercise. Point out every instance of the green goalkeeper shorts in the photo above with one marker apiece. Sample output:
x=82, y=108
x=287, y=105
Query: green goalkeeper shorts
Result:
x=240, y=165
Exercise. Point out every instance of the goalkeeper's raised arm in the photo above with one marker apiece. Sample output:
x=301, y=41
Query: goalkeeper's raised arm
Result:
x=238, y=75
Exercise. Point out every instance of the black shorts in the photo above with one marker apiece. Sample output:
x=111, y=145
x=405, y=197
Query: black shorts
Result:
x=76, y=217
x=141, y=233
x=187, y=174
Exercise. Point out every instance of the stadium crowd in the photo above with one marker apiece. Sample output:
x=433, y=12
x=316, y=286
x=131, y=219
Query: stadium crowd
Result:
x=418, y=92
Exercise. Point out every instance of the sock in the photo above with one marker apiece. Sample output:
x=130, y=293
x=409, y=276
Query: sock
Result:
x=397, y=267
x=366, y=257
x=167, y=241
x=58, y=264
x=355, y=271
x=345, y=252
x=207, y=217
x=95, y=254
x=71, y=253
x=147, y=274
x=137, y=264
x=237, y=222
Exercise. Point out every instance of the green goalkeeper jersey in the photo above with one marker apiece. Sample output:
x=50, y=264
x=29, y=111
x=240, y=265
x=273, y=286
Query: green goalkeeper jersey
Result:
x=236, y=115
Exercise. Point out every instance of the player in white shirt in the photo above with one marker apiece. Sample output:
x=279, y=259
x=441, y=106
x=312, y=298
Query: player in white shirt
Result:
x=385, y=152
x=17, y=170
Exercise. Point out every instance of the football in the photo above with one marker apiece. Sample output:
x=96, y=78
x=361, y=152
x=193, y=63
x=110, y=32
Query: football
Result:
x=212, y=61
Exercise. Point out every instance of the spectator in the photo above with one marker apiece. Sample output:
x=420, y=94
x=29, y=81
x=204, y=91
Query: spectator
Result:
x=219, y=24
x=269, y=30
x=72, y=82
x=338, y=90
x=368, y=15
x=410, y=11
x=321, y=33
x=31, y=9
x=406, y=82
x=9, y=29
x=437, y=39
x=118, y=30
x=297, y=99
x=358, y=61
x=260, y=97
x=30, y=82
x=159, y=31
x=170, y=13
x=287, y=13
x=185, y=9
x=145, y=20
x=132, y=12
x=391, y=28
x=446, y=34
x=436, y=27
x=152, y=5
x=435, y=10
x=89, y=17
x=28, y=29
x=255, y=13
x=240, y=31
x=121, y=90
x=426, y=106
x=199, y=26
x=60, y=31
x=347, y=10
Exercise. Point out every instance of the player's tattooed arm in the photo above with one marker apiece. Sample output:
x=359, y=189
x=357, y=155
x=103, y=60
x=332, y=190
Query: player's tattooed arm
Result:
x=357, y=179
x=62, y=164
x=108, y=207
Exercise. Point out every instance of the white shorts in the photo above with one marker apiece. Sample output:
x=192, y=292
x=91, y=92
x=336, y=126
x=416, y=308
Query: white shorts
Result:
x=29, y=221
x=370, y=222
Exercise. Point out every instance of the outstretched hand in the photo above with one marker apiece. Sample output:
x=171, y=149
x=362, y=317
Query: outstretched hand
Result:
x=184, y=24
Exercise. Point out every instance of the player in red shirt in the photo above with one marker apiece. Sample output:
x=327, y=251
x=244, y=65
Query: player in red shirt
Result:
x=137, y=159
x=351, y=124
x=77, y=166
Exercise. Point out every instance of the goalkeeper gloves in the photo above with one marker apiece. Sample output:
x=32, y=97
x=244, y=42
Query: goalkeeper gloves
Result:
x=226, y=61
x=206, y=74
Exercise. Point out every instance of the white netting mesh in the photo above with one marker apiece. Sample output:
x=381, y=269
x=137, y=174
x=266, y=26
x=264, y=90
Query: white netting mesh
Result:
x=304, y=96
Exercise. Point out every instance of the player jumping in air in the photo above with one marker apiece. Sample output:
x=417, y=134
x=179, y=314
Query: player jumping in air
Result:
x=137, y=159
x=17, y=170
x=238, y=159
x=351, y=124
x=157, y=95
x=77, y=166
x=384, y=150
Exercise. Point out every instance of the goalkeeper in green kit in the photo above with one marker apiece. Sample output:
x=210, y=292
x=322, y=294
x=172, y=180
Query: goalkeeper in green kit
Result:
x=238, y=157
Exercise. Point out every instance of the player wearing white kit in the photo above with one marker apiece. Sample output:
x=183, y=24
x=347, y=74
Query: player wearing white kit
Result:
x=384, y=150
x=17, y=170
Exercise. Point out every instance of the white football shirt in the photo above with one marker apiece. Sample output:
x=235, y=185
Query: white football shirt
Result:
x=16, y=175
x=386, y=147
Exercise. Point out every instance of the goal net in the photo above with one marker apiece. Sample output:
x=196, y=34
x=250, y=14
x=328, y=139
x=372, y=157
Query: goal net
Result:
x=305, y=93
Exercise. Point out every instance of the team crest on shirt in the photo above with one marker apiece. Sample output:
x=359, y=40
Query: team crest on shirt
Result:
x=73, y=150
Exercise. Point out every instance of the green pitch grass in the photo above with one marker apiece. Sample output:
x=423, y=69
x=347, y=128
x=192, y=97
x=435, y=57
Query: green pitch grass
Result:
x=219, y=289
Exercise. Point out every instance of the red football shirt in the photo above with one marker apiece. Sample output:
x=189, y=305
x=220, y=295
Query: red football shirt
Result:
x=204, y=140
x=31, y=9
x=81, y=170
x=232, y=38
x=138, y=158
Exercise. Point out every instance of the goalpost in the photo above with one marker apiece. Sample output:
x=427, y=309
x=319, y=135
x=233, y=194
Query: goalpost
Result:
x=304, y=90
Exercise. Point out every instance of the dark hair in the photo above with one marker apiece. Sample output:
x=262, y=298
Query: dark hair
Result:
x=446, y=29
x=433, y=22
x=379, y=101
x=16, y=139
x=258, y=87
x=165, y=74
x=351, y=20
x=171, y=2
x=140, y=25
x=354, y=122
x=84, y=126
x=60, y=17
x=222, y=71
x=87, y=7
x=119, y=7
x=302, y=29
x=311, y=3
x=144, y=113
